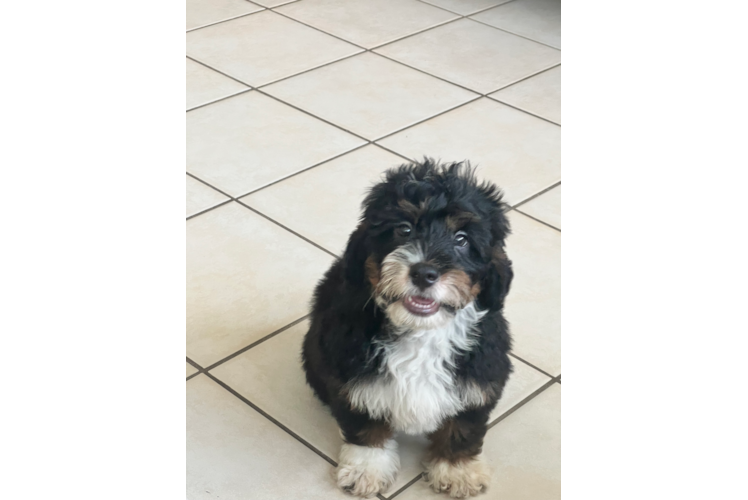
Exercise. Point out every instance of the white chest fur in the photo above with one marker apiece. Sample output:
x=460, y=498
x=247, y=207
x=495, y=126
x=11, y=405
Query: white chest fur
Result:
x=416, y=390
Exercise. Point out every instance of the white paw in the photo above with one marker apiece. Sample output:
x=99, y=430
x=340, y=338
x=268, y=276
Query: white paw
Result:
x=460, y=480
x=365, y=471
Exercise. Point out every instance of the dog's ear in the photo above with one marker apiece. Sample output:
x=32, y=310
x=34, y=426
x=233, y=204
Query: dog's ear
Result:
x=495, y=287
x=497, y=282
x=355, y=255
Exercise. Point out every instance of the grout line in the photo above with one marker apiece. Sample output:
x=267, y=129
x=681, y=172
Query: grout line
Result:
x=430, y=74
x=218, y=100
x=210, y=186
x=537, y=220
x=208, y=209
x=312, y=115
x=559, y=380
x=420, y=31
x=194, y=364
x=273, y=420
x=229, y=19
x=272, y=82
x=283, y=4
x=364, y=50
x=469, y=14
x=256, y=343
x=304, y=170
x=392, y=151
x=289, y=230
x=371, y=141
x=219, y=71
x=318, y=29
x=368, y=141
x=523, y=402
x=518, y=80
x=244, y=349
x=475, y=98
x=532, y=197
x=460, y=17
x=257, y=212
x=524, y=111
x=407, y=485
x=371, y=50
x=513, y=33
x=310, y=69
x=530, y=364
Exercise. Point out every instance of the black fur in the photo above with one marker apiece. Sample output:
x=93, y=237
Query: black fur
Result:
x=346, y=320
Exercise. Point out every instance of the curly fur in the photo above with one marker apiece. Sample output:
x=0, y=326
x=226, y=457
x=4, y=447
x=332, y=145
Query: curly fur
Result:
x=381, y=367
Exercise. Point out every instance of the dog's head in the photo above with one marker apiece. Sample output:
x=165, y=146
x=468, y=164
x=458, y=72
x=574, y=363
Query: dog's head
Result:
x=430, y=242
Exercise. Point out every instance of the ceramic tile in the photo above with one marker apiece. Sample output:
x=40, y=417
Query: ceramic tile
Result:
x=523, y=381
x=246, y=142
x=270, y=376
x=367, y=23
x=205, y=85
x=205, y=12
x=324, y=203
x=234, y=453
x=473, y=55
x=523, y=451
x=201, y=197
x=190, y=369
x=546, y=207
x=465, y=7
x=517, y=151
x=540, y=95
x=535, y=19
x=246, y=277
x=264, y=47
x=533, y=306
x=369, y=95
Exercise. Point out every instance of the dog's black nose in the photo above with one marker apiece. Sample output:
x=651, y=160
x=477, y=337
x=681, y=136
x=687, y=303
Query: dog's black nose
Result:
x=424, y=275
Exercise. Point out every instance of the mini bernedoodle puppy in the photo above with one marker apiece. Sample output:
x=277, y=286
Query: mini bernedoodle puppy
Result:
x=407, y=332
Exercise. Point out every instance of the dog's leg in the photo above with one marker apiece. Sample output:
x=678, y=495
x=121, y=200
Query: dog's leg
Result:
x=368, y=461
x=455, y=464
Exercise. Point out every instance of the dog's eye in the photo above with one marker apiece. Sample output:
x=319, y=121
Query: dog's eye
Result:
x=403, y=229
x=461, y=239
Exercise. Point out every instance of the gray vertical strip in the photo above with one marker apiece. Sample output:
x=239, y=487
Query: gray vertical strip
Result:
x=655, y=32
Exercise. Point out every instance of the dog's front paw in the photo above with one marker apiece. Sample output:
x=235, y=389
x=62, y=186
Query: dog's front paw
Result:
x=461, y=479
x=362, y=481
x=365, y=471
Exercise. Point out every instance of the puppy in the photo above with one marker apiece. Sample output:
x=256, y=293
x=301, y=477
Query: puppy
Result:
x=407, y=332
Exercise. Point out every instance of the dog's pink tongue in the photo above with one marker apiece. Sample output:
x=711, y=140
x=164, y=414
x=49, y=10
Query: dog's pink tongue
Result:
x=421, y=305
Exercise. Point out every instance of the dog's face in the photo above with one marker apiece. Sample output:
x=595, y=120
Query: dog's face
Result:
x=430, y=243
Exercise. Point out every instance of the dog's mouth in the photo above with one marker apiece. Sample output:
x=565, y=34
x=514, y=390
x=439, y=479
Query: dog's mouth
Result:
x=420, y=306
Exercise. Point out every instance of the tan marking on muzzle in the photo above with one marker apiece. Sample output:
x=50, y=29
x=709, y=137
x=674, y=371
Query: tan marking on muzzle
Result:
x=372, y=271
x=459, y=282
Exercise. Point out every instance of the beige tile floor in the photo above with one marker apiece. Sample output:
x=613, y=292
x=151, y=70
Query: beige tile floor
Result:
x=294, y=109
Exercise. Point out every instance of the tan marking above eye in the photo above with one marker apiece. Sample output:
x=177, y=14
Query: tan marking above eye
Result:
x=458, y=220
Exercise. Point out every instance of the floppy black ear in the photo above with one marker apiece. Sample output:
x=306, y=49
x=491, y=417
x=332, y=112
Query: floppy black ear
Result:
x=354, y=258
x=497, y=282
